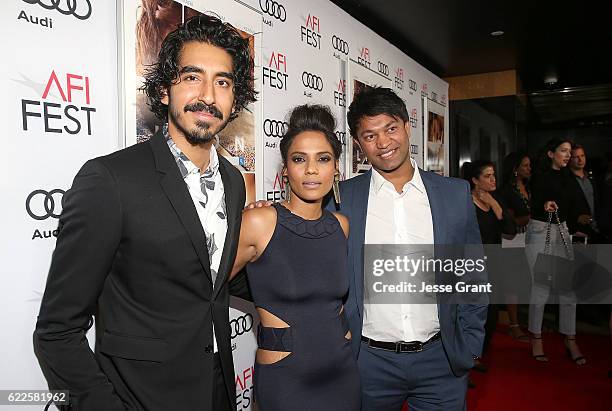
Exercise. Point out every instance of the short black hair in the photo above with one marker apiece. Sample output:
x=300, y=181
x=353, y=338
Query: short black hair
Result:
x=373, y=101
x=311, y=117
x=206, y=29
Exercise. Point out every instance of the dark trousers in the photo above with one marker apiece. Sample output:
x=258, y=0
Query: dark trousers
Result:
x=221, y=401
x=424, y=379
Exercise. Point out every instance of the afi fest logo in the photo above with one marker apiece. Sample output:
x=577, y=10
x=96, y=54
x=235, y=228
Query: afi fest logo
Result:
x=244, y=388
x=79, y=9
x=278, y=189
x=424, y=90
x=272, y=10
x=276, y=72
x=57, y=117
x=364, y=57
x=340, y=94
x=310, y=33
x=41, y=205
x=398, y=80
x=414, y=120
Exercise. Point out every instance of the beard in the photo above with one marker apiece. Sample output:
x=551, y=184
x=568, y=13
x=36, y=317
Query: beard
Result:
x=202, y=132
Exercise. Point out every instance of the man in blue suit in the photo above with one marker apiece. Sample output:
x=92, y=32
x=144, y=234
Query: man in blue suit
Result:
x=419, y=353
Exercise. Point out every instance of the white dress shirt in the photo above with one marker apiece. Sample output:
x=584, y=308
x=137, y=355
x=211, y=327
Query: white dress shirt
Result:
x=399, y=218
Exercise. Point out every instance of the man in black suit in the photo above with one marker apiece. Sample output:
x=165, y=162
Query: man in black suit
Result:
x=147, y=238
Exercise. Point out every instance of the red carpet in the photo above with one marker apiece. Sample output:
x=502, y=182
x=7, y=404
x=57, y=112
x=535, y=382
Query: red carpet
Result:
x=515, y=381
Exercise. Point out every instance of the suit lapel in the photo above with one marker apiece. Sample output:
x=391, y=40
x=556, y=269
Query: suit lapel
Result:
x=359, y=205
x=436, y=205
x=438, y=219
x=176, y=190
x=231, y=208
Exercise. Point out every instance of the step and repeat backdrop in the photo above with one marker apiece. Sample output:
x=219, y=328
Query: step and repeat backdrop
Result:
x=71, y=72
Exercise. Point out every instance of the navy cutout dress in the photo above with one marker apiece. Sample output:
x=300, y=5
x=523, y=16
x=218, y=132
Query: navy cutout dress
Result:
x=301, y=278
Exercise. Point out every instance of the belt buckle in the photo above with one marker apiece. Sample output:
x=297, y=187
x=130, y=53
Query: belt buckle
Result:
x=409, y=347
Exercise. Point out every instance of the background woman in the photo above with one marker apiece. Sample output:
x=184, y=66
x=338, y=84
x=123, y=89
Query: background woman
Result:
x=552, y=190
x=493, y=221
x=515, y=194
x=296, y=254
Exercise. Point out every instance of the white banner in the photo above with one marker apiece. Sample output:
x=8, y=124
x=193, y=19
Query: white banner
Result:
x=65, y=104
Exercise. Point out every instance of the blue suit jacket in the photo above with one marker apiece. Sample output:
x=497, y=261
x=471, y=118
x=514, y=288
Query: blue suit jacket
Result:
x=454, y=222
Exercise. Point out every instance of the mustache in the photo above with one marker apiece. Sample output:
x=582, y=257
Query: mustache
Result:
x=200, y=106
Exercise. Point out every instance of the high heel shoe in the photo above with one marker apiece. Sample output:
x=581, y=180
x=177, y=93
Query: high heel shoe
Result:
x=514, y=330
x=538, y=357
x=579, y=360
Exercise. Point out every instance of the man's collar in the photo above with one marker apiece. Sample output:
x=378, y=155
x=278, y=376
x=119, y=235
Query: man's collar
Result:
x=213, y=165
x=378, y=181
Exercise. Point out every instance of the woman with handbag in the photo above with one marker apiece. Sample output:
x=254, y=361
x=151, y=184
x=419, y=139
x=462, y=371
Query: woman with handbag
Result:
x=547, y=235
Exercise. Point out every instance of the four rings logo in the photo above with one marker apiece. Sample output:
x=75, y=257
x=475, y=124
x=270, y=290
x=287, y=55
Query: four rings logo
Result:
x=81, y=9
x=383, y=68
x=241, y=325
x=273, y=9
x=312, y=81
x=274, y=128
x=340, y=45
x=42, y=204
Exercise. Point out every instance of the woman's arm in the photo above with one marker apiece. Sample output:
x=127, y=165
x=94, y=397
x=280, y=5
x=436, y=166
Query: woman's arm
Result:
x=344, y=223
x=255, y=233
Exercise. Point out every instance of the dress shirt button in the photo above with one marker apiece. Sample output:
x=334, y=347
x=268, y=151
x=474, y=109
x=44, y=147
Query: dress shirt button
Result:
x=208, y=349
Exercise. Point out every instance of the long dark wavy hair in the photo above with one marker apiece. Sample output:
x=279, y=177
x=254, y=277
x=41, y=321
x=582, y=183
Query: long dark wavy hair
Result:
x=206, y=29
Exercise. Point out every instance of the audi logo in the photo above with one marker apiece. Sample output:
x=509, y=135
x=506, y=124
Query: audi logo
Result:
x=273, y=9
x=340, y=45
x=42, y=204
x=81, y=9
x=312, y=81
x=383, y=68
x=241, y=325
x=275, y=128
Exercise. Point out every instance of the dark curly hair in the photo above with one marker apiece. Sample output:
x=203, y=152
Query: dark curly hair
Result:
x=373, y=101
x=207, y=29
x=311, y=117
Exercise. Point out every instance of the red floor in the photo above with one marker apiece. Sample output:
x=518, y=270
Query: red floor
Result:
x=515, y=381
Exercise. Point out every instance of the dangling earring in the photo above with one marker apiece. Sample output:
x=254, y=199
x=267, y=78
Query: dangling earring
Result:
x=516, y=174
x=336, y=188
x=287, y=189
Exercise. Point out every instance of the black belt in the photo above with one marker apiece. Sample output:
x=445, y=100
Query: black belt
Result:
x=400, y=346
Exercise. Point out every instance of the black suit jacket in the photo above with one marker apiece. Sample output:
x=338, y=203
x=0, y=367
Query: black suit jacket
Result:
x=131, y=251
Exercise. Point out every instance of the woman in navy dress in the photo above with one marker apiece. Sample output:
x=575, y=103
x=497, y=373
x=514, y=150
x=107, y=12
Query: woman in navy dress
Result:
x=296, y=254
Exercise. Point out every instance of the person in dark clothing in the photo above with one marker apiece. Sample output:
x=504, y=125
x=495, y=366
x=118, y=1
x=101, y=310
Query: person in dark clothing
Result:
x=493, y=221
x=297, y=255
x=553, y=199
x=586, y=225
x=516, y=195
